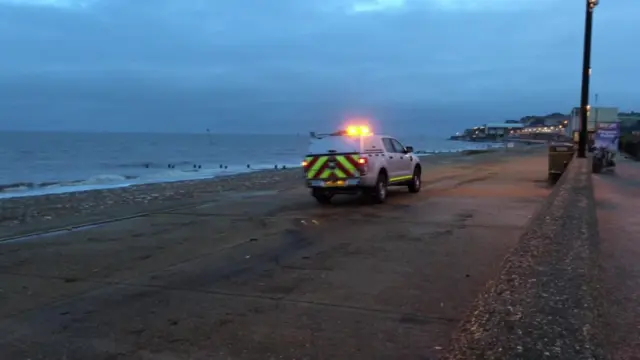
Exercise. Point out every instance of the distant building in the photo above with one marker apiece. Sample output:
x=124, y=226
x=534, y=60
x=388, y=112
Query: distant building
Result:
x=500, y=129
x=595, y=115
x=554, y=121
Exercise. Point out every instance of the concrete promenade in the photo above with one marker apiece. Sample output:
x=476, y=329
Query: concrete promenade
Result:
x=618, y=205
x=273, y=276
x=570, y=289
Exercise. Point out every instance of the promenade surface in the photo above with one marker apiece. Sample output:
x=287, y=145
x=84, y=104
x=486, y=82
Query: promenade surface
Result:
x=618, y=207
x=272, y=276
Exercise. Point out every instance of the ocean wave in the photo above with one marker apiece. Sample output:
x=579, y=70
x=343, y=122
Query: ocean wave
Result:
x=109, y=181
x=21, y=186
x=93, y=180
x=461, y=148
x=151, y=164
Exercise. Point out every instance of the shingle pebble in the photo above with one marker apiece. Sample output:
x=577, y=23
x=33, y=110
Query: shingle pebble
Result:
x=546, y=302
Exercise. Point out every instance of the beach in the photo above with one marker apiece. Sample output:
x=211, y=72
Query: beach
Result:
x=252, y=268
x=32, y=214
x=56, y=210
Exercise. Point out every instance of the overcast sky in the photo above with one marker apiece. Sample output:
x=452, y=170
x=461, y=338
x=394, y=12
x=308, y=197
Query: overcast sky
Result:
x=290, y=65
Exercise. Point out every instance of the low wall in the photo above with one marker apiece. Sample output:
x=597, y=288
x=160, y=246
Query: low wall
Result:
x=545, y=304
x=631, y=147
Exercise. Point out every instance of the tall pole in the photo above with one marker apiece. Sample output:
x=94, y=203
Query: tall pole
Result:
x=595, y=103
x=586, y=69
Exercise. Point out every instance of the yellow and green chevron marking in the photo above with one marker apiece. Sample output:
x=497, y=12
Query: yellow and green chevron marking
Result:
x=346, y=166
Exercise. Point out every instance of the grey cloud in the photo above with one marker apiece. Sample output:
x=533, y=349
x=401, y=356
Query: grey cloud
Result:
x=203, y=57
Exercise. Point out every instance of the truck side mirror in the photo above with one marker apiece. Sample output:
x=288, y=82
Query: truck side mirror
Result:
x=408, y=149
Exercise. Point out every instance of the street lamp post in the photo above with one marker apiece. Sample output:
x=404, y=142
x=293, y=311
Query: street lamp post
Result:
x=586, y=71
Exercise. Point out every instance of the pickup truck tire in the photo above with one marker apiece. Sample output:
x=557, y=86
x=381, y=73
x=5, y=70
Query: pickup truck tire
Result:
x=322, y=196
x=379, y=192
x=416, y=182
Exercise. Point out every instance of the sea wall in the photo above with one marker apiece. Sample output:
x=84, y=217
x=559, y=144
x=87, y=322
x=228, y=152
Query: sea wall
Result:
x=546, y=302
x=630, y=145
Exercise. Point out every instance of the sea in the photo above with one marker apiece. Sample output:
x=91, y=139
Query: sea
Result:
x=37, y=163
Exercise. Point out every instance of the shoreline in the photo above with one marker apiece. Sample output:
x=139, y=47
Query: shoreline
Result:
x=28, y=214
x=22, y=210
x=113, y=180
x=103, y=182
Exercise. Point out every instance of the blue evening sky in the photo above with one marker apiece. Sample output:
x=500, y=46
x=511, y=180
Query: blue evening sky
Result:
x=432, y=66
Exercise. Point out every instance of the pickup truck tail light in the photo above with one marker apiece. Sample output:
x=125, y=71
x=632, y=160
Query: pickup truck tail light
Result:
x=363, y=165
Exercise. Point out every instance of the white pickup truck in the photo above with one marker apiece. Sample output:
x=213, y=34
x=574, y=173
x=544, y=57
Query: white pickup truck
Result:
x=356, y=161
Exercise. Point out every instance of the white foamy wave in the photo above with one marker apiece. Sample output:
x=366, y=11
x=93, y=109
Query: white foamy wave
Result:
x=93, y=183
x=104, y=179
x=14, y=189
x=459, y=148
x=59, y=189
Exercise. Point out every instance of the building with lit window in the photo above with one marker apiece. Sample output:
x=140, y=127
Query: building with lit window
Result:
x=595, y=115
x=501, y=129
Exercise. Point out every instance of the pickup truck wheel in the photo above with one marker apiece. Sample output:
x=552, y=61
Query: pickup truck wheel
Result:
x=416, y=182
x=379, y=194
x=322, y=196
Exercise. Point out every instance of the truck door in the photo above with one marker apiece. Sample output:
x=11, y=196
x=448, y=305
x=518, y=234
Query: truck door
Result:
x=393, y=158
x=405, y=161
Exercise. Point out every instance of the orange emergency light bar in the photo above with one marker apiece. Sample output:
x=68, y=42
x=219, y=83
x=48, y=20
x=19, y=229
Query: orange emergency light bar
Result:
x=361, y=130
